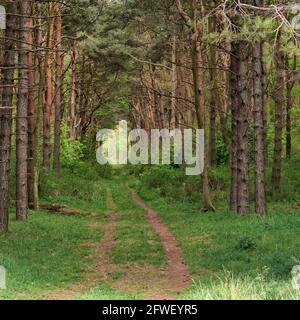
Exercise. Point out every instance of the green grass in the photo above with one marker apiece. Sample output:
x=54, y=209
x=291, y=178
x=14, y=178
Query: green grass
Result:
x=81, y=188
x=106, y=293
x=51, y=252
x=230, y=257
x=137, y=242
x=258, y=253
x=46, y=253
x=230, y=287
x=233, y=257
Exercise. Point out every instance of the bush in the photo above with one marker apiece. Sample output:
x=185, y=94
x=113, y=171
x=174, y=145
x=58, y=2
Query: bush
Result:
x=279, y=265
x=246, y=243
x=71, y=151
x=170, y=183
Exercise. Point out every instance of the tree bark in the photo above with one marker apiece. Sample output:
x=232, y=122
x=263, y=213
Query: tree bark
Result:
x=73, y=90
x=32, y=118
x=242, y=129
x=234, y=68
x=48, y=96
x=289, y=102
x=6, y=114
x=214, y=97
x=197, y=63
x=258, y=115
x=22, y=114
x=279, y=102
x=58, y=91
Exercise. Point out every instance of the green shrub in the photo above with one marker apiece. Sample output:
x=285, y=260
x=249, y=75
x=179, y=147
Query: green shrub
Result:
x=71, y=151
x=246, y=243
x=279, y=264
x=222, y=151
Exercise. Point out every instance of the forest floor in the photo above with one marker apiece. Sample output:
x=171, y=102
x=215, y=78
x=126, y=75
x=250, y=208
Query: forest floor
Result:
x=115, y=243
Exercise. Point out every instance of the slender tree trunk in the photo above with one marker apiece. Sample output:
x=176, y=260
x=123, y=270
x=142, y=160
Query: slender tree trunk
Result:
x=6, y=113
x=58, y=91
x=279, y=102
x=32, y=119
x=242, y=129
x=174, y=83
x=265, y=116
x=213, y=129
x=48, y=96
x=234, y=69
x=197, y=63
x=73, y=90
x=214, y=94
x=258, y=115
x=288, y=120
x=22, y=114
x=289, y=102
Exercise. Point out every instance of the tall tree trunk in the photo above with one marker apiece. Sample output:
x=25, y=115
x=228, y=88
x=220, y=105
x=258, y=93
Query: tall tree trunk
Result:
x=197, y=62
x=289, y=102
x=279, y=102
x=73, y=89
x=32, y=119
x=213, y=127
x=258, y=115
x=48, y=95
x=242, y=129
x=6, y=113
x=265, y=116
x=22, y=114
x=174, y=83
x=58, y=91
x=288, y=120
x=214, y=94
x=234, y=69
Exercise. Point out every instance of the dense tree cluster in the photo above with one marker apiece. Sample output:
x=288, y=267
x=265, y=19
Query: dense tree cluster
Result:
x=228, y=67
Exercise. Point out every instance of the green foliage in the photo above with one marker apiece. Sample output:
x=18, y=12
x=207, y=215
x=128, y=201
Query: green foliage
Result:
x=280, y=264
x=170, y=183
x=71, y=151
x=222, y=151
x=246, y=243
x=79, y=187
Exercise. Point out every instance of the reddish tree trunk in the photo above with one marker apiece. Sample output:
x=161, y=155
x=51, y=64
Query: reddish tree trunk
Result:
x=73, y=90
x=58, y=91
x=48, y=96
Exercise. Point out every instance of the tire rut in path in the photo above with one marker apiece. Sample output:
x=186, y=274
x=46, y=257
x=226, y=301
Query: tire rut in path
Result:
x=178, y=275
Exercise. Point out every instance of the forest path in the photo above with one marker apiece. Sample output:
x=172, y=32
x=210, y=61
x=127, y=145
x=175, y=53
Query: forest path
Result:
x=177, y=272
x=144, y=280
